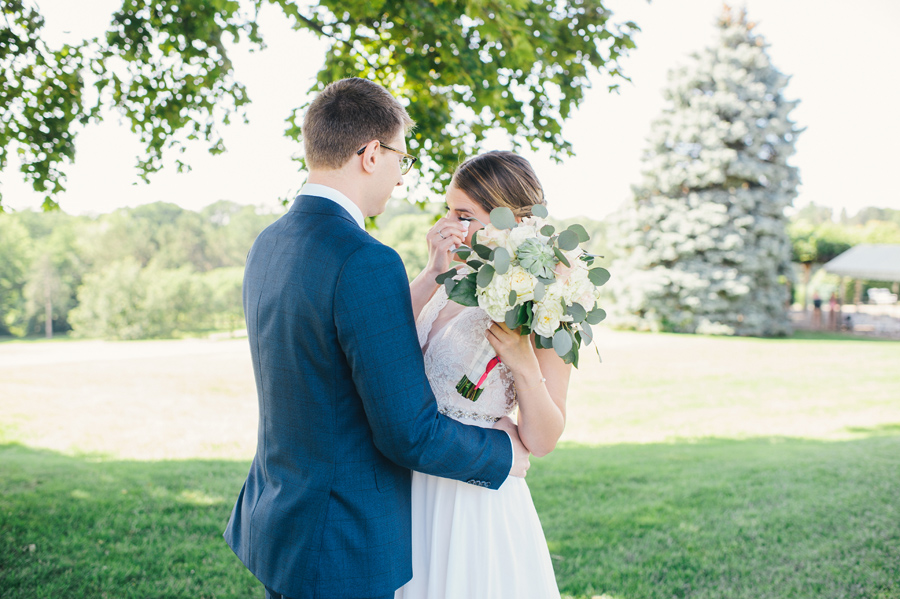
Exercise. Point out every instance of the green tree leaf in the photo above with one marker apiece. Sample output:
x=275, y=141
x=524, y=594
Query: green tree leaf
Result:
x=540, y=211
x=165, y=67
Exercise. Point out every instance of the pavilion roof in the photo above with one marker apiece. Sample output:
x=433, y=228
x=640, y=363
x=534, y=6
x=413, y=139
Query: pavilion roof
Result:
x=870, y=262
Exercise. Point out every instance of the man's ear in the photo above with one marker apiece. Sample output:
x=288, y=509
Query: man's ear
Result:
x=369, y=156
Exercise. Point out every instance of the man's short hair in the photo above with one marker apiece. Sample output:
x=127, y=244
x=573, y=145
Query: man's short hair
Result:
x=347, y=115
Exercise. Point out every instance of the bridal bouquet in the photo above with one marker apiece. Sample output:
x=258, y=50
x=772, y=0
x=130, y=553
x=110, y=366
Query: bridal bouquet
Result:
x=530, y=277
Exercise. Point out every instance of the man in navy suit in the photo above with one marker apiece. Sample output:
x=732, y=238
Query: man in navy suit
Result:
x=345, y=410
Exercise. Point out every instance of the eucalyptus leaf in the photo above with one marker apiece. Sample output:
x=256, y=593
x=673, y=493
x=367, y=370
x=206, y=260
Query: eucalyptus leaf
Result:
x=476, y=264
x=598, y=276
x=543, y=342
x=521, y=316
x=449, y=284
x=513, y=298
x=567, y=240
x=562, y=342
x=464, y=292
x=546, y=281
x=571, y=356
x=540, y=211
x=501, y=260
x=577, y=312
x=561, y=257
x=444, y=276
x=547, y=230
x=463, y=252
x=587, y=332
x=580, y=232
x=503, y=218
x=485, y=275
x=539, y=290
x=596, y=316
x=483, y=251
x=511, y=317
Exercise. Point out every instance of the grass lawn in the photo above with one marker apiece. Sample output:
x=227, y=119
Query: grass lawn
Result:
x=693, y=467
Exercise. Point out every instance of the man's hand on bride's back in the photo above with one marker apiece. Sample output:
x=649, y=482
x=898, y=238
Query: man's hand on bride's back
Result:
x=521, y=455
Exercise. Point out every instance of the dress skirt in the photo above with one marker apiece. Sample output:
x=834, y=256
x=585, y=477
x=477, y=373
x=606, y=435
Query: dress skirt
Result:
x=474, y=543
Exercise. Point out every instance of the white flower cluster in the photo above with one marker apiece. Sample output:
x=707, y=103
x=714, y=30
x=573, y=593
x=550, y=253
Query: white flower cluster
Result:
x=567, y=285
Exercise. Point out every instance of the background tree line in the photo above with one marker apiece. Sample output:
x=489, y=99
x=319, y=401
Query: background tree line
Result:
x=152, y=271
x=159, y=270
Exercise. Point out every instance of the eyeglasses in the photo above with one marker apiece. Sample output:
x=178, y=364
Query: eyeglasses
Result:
x=406, y=160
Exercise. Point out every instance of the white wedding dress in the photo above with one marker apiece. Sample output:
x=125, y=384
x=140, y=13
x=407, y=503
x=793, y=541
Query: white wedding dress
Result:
x=469, y=542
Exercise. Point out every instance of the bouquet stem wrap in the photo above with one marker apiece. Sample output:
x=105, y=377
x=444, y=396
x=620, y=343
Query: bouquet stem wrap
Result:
x=471, y=384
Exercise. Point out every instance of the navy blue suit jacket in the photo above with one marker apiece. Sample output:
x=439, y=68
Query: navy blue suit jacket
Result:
x=345, y=412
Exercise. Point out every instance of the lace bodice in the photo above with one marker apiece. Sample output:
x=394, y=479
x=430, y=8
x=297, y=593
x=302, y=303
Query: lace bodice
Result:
x=448, y=351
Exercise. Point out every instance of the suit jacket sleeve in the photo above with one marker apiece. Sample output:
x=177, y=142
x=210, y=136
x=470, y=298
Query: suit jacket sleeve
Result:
x=376, y=330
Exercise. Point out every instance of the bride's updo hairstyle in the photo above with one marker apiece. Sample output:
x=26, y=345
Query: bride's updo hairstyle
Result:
x=499, y=178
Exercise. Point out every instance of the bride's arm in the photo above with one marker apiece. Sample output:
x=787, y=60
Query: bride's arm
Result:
x=445, y=235
x=542, y=382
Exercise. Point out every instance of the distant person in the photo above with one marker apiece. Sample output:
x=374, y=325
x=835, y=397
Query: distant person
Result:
x=345, y=408
x=817, y=311
x=834, y=309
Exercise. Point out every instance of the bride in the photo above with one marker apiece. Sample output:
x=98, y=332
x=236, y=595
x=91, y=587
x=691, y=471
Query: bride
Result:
x=468, y=542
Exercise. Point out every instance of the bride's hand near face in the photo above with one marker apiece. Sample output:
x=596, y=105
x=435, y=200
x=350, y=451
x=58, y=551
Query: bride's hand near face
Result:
x=446, y=235
x=542, y=382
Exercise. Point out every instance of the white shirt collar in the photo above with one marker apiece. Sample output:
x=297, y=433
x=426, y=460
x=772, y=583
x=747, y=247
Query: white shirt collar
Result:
x=323, y=191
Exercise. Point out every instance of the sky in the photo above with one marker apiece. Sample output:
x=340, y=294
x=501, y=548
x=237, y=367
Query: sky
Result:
x=841, y=56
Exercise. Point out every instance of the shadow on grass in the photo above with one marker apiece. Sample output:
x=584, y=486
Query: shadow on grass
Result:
x=716, y=518
x=33, y=339
x=84, y=527
x=835, y=336
x=883, y=429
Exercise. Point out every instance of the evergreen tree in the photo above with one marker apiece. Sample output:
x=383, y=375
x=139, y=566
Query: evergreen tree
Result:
x=703, y=247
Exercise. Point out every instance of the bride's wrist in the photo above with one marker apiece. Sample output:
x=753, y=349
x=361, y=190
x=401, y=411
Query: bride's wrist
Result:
x=527, y=375
x=432, y=271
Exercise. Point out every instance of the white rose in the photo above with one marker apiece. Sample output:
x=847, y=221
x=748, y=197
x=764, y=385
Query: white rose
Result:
x=547, y=316
x=522, y=282
x=492, y=237
x=518, y=235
